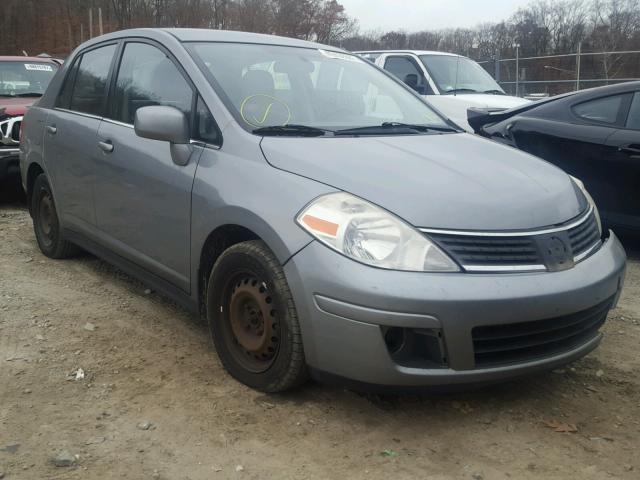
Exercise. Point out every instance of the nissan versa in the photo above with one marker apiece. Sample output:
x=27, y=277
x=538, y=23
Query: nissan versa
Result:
x=323, y=217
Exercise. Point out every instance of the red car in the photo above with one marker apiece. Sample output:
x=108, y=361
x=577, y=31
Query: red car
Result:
x=22, y=81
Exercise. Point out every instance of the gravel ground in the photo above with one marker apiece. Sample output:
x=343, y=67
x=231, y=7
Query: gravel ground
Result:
x=155, y=403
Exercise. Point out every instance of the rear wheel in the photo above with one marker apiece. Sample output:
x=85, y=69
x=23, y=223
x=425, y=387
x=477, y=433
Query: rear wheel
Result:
x=253, y=320
x=46, y=224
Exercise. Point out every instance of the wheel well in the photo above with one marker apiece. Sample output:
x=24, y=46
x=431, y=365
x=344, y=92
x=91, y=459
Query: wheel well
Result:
x=32, y=174
x=217, y=242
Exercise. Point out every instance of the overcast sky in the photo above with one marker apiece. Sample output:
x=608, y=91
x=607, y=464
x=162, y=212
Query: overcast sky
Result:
x=415, y=15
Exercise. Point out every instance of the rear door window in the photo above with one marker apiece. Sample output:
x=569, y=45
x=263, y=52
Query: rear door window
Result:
x=146, y=77
x=633, y=120
x=90, y=86
x=64, y=97
x=602, y=110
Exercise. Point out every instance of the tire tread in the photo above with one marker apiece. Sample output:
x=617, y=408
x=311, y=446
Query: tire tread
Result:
x=297, y=373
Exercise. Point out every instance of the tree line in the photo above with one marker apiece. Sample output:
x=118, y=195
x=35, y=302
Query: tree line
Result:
x=58, y=26
x=542, y=27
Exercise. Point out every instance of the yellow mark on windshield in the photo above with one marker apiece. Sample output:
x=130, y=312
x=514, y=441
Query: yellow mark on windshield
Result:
x=253, y=102
x=266, y=114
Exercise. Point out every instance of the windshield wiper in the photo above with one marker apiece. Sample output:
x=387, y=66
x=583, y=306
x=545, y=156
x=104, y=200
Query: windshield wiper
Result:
x=393, y=127
x=495, y=92
x=460, y=90
x=292, y=130
x=28, y=94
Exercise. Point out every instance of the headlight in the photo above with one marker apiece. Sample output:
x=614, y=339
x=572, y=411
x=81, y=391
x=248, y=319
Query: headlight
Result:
x=371, y=235
x=582, y=188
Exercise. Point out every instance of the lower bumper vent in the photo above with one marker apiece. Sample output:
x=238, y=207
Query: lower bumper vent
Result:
x=496, y=345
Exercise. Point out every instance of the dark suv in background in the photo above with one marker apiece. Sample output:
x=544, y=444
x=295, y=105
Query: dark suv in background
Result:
x=22, y=81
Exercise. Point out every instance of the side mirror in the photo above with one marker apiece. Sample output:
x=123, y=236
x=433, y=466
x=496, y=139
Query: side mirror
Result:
x=158, y=122
x=167, y=124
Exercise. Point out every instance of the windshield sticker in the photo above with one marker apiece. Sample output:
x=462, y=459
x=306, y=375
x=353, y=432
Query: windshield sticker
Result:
x=265, y=111
x=339, y=56
x=39, y=67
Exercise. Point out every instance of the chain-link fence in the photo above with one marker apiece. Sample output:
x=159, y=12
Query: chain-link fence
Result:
x=554, y=74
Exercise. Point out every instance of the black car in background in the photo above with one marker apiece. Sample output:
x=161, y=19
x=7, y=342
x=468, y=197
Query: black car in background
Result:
x=593, y=135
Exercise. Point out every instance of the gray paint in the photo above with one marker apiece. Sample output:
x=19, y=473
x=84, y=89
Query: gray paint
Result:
x=71, y=154
x=343, y=343
x=134, y=205
x=157, y=122
x=143, y=200
x=457, y=181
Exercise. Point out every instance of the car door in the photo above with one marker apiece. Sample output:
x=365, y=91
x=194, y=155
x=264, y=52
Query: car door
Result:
x=588, y=153
x=409, y=71
x=143, y=199
x=71, y=129
x=624, y=170
x=573, y=134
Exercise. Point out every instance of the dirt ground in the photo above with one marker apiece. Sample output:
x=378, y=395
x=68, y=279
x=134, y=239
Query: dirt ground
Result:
x=155, y=403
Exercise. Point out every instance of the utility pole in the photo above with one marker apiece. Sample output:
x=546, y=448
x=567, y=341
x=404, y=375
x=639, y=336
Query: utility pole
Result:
x=100, y=20
x=578, y=66
x=90, y=23
x=517, y=45
x=82, y=33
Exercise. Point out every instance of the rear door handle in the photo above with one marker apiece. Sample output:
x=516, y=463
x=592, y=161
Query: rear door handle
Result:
x=106, y=146
x=51, y=129
x=630, y=149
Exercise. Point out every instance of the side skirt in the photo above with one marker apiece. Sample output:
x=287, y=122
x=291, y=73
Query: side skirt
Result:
x=133, y=269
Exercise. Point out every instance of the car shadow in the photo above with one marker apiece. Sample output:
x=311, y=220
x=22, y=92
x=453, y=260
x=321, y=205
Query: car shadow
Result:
x=631, y=243
x=11, y=193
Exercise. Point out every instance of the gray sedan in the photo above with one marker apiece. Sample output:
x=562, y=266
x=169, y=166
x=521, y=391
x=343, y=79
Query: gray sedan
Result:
x=323, y=218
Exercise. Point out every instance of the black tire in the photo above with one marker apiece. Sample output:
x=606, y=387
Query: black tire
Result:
x=253, y=320
x=46, y=223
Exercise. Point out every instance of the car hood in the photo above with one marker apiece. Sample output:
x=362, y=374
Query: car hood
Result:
x=13, y=106
x=455, y=106
x=451, y=181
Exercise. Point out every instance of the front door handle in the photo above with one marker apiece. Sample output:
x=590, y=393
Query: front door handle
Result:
x=106, y=146
x=51, y=129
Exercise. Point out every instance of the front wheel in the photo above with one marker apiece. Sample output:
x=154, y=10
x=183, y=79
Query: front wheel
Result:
x=253, y=319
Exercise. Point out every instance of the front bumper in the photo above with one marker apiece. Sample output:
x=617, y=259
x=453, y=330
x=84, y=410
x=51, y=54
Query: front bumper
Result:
x=9, y=162
x=345, y=308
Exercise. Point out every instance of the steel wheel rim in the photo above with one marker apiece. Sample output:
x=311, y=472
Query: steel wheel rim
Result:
x=252, y=324
x=47, y=217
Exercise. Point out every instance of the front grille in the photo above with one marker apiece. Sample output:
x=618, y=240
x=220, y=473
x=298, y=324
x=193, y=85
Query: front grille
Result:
x=552, y=249
x=584, y=236
x=472, y=250
x=496, y=345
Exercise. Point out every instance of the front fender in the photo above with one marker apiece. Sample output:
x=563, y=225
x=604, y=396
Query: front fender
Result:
x=246, y=191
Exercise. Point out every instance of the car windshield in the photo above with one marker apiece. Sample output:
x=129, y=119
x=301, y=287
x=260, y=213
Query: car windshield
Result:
x=453, y=74
x=269, y=87
x=25, y=78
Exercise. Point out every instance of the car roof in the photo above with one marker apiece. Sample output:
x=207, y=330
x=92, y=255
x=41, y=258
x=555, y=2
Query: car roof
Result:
x=607, y=89
x=211, y=35
x=584, y=94
x=415, y=52
x=559, y=102
x=17, y=58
